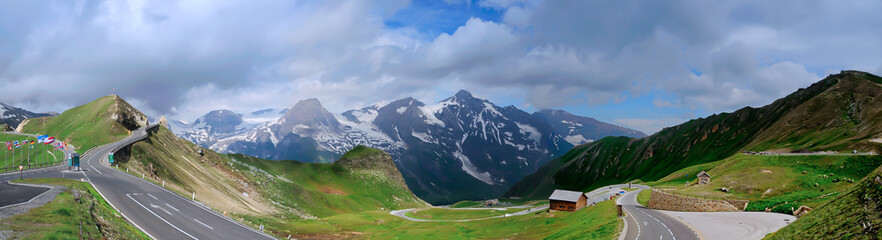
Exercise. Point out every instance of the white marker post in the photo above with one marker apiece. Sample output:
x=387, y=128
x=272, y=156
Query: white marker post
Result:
x=194, y=196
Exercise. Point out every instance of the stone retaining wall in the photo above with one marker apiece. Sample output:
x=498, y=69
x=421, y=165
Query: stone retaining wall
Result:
x=666, y=201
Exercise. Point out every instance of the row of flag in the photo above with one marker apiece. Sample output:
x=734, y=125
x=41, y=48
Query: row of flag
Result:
x=44, y=139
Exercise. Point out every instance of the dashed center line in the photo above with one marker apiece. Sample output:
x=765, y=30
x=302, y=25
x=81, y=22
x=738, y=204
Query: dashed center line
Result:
x=160, y=218
x=154, y=198
x=203, y=224
x=173, y=208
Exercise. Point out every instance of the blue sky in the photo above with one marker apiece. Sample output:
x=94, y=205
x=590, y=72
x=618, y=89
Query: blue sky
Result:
x=640, y=64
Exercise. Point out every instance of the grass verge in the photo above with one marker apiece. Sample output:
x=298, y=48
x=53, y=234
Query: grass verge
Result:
x=90, y=217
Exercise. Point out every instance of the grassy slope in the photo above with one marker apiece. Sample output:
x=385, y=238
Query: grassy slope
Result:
x=595, y=222
x=165, y=157
x=89, y=125
x=744, y=175
x=855, y=215
x=643, y=197
x=452, y=214
x=61, y=218
x=841, y=119
x=8, y=160
x=278, y=191
x=325, y=189
x=704, y=140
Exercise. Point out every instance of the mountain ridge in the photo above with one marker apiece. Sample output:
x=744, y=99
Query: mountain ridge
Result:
x=619, y=159
x=459, y=141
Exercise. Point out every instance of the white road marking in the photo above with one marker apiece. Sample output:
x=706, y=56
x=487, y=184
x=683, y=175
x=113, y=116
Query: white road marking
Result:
x=160, y=218
x=663, y=224
x=203, y=224
x=93, y=168
x=173, y=208
x=154, y=198
x=160, y=208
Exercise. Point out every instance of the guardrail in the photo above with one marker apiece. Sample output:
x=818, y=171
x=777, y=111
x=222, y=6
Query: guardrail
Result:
x=133, y=139
x=30, y=166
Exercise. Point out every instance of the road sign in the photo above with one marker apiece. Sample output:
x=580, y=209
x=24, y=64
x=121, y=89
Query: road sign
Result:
x=110, y=158
x=75, y=159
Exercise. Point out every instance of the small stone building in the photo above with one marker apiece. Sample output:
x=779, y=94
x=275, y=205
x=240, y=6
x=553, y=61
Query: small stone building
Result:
x=802, y=210
x=563, y=200
x=703, y=178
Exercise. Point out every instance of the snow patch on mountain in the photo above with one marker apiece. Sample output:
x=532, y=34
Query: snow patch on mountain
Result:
x=470, y=168
x=530, y=131
x=577, y=139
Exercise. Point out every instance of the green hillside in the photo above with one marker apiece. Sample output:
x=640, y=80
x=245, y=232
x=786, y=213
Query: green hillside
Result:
x=326, y=189
x=857, y=214
x=618, y=159
x=36, y=155
x=66, y=217
x=778, y=182
x=102, y=121
x=258, y=191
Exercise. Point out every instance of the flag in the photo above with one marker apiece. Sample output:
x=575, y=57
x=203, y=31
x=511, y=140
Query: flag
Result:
x=32, y=145
x=15, y=142
x=49, y=140
x=9, y=147
x=17, y=145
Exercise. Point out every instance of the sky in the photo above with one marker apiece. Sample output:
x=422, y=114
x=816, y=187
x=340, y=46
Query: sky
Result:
x=640, y=64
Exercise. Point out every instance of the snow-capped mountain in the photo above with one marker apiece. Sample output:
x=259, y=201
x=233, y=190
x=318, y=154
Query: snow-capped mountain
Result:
x=580, y=130
x=220, y=124
x=12, y=116
x=459, y=148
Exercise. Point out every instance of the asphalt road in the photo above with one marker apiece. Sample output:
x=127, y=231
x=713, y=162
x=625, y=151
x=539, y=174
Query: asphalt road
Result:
x=13, y=194
x=158, y=212
x=643, y=223
x=734, y=225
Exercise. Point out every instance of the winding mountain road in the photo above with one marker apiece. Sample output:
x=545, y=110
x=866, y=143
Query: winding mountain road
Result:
x=158, y=212
x=643, y=223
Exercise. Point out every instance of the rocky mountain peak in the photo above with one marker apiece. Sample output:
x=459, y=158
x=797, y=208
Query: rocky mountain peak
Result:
x=220, y=121
x=463, y=94
x=310, y=112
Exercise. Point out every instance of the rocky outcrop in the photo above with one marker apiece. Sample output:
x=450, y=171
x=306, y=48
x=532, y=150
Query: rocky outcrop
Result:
x=365, y=158
x=126, y=115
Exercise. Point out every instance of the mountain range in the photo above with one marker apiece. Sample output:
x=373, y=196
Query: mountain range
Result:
x=462, y=147
x=12, y=116
x=838, y=113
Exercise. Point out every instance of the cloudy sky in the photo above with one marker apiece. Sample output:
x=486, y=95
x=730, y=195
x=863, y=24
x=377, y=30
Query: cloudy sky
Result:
x=641, y=64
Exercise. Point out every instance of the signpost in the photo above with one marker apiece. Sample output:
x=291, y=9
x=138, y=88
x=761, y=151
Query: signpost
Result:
x=75, y=160
x=110, y=158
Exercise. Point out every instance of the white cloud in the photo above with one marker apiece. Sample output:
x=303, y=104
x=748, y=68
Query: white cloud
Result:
x=186, y=58
x=649, y=125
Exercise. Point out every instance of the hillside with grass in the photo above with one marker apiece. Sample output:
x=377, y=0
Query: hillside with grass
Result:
x=780, y=183
x=614, y=160
x=258, y=191
x=78, y=212
x=846, y=117
x=163, y=157
x=857, y=214
x=24, y=156
x=105, y=120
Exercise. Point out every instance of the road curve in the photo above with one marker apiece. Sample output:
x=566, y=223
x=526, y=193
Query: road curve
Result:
x=158, y=212
x=647, y=224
